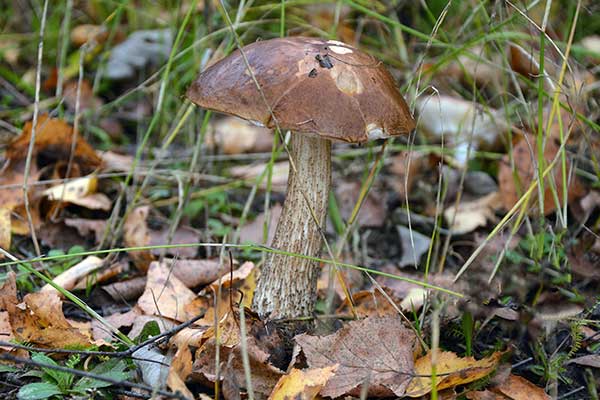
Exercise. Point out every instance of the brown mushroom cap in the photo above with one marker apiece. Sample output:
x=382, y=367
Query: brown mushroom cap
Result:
x=313, y=86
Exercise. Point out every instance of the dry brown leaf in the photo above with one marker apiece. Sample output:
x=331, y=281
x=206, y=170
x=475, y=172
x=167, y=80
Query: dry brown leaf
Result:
x=452, y=371
x=116, y=162
x=5, y=229
x=53, y=139
x=117, y=320
x=39, y=320
x=253, y=231
x=524, y=62
x=376, y=350
x=372, y=211
x=406, y=167
x=368, y=303
x=242, y=281
x=84, y=33
x=6, y=334
x=302, y=385
x=470, y=215
x=590, y=360
x=234, y=136
x=136, y=234
x=264, y=374
x=195, y=273
x=102, y=276
x=414, y=245
x=165, y=295
x=251, y=172
x=126, y=290
x=11, y=181
x=85, y=227
x=12, y=200
x=181, y=368
x=69, y=278
x=525, y=159
x=518, y=388
x=87, y=99
x=182, y=235
x=485, y=395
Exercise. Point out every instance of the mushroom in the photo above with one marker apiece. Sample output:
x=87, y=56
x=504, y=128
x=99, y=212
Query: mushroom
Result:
x=321, y=90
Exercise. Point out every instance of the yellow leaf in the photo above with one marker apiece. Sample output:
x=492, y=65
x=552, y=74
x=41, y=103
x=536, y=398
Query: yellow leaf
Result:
x=73, y=190
x=302, y=385
x=5, y=227
x=451, y=371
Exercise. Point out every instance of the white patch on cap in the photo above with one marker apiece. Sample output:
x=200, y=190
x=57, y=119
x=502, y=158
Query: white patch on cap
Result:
x=339, y=47
x=375, y=132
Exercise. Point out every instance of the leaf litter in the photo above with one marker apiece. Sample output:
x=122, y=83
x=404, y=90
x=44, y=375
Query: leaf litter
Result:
x=143, y=288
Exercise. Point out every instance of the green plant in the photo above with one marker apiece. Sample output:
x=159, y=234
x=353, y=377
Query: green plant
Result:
x=58, y=384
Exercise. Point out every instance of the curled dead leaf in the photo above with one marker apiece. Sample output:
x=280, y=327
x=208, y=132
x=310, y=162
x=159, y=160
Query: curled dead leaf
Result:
x=451, y=371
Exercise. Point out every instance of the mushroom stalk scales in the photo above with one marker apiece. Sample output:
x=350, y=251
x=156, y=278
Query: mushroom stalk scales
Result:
x=287, y=286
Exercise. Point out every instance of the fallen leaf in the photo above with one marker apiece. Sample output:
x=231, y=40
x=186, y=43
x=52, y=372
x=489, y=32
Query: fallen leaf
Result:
x=253, y=231
x=414, y=245
x=518, y=388
x=126, y=290
x=372, y=211
x=53, y=140
x=103, y=275
x=264, y=375
x=87, y=99
x=182, y=235
x=302, y=385
x=81, y=192
x=194, y=273
x=138, y=50
x=485, y=395
x=11, y=182
x=377, y=351
x=590, y=360
x=406, y=168
x=368, y=303
x=452, y=371
x=165, y=295
x=525, y=158
x=234, y=136
x=180, y=369
x=136, y=234
x=5, y=229
x=470, y=215
x=81, y=34
x=68, y=279
x=252, y=172
x=116, y=162
x=6, y=334
x=85, y=227
x=457, y=120
x=39, y=320
x=524, y=62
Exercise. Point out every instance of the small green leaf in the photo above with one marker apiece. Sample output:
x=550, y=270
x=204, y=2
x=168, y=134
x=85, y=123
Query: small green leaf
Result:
x=7, y=368
x=62, y=379
x=150, y=329
x=113, y=369
x=39, y=390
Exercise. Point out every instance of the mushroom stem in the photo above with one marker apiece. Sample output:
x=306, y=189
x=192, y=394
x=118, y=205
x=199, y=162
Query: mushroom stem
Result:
x=287, y=285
